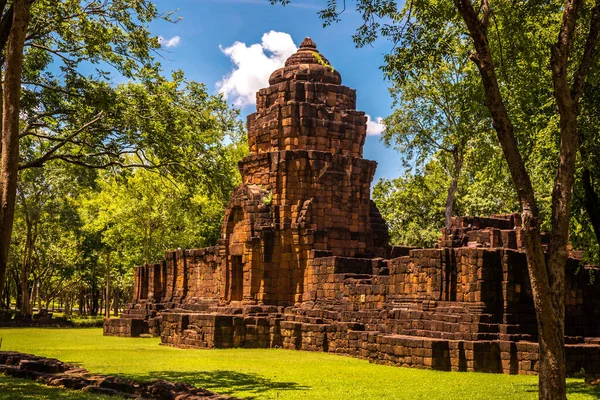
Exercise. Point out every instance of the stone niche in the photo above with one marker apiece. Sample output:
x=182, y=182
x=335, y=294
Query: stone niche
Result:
x=304, y=261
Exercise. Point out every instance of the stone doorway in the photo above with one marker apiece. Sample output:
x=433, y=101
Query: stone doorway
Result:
x=237, y=278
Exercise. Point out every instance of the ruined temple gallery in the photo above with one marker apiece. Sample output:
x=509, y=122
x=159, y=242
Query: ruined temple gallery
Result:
x=304, y=261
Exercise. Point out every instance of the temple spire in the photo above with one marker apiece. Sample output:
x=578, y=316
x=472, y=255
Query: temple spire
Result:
x=308, y=43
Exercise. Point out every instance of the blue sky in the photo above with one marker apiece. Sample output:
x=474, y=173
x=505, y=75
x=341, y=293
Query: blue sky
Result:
x=198, y=45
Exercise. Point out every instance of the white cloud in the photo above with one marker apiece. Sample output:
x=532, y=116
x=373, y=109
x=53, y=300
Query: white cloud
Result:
x=253, y=66
x=375, y=127
x=173, y=42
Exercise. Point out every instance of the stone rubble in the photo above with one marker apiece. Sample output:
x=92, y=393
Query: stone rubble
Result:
x=56, y=373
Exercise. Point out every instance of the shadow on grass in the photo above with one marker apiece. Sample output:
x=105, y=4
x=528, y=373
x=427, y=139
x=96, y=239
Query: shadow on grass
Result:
x=583, y=388
x=223, y=382
x=25, y=389
x=579, y=387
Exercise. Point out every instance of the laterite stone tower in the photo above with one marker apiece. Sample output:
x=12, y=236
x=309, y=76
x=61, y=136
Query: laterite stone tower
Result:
x=305, y=183
x=304, y=262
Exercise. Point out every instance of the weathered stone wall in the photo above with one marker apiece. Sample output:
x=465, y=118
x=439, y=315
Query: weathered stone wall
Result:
x=220, y=331
x=203, y=268
x=184, y=274
x=301, y=115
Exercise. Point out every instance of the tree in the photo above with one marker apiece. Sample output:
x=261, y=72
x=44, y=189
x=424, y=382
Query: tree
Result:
x=586, y=193
x=547, y=276
x=138, y=214
x=47, y=238
x=413, y=205
x=70, y=116
x=564, y=36
x=438, y=108
x=16, y=20
x=91, y=32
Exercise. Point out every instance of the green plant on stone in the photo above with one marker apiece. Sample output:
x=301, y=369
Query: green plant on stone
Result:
x=322, y=61
x=268, y=199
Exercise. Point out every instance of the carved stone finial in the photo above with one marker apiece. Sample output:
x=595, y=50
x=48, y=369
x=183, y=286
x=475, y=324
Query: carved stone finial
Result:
x=308, y=43
x=307, y=64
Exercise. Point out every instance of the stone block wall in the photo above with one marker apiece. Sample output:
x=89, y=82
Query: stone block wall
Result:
x=220, y=331
x=125, y=327
x=310, y=115
x=417, y=276
x=182, y=274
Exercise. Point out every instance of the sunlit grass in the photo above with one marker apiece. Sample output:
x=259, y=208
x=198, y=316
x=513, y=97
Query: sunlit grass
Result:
x=270, y=373
x=24, y=389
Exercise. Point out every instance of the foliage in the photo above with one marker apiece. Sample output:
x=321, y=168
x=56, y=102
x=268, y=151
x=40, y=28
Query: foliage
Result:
x=75, y=120
x=171, y=125
x=75, y=216
x=140, y=214
x=437, y=107
x=73, y=51
x=322, y=61
x=413, y=206
x=47, y=235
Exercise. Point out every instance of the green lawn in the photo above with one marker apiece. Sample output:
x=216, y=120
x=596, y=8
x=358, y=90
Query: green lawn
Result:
x=23, y=389
x=268, y=374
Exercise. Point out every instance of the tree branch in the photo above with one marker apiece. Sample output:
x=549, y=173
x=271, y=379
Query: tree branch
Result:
x=486, y=11
x=57, y=53
x=40, y=161
x=589, y=55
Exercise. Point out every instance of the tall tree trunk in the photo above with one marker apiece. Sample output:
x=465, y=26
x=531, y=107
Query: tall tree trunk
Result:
x=68, y=305
x=7, y=294
x=10, y=127
x=39, y=295
x=17, y=282
x=457, y=159
x=116, y=304
x=25, y=270
x=31, y=299
x=95, y=301
x=547, y=278
x=107, y=293
x=81, y=303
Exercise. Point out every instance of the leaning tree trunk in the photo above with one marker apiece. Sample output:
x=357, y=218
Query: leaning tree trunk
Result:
x=547, y=277
x=11, y=93
x=457, y=158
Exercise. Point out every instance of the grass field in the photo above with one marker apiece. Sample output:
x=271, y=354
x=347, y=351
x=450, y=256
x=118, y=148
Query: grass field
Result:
x=264, y=373
x=22, y=389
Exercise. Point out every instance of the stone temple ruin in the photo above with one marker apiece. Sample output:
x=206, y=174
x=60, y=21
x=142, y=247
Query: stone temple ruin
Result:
x=304, y=261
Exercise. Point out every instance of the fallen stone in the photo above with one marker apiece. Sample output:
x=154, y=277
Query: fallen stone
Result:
x=53, y=372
